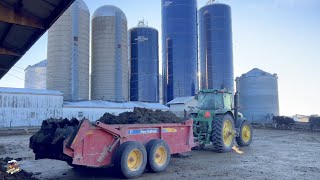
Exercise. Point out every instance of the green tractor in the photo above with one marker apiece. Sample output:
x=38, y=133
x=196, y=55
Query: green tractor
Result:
x=217, y=120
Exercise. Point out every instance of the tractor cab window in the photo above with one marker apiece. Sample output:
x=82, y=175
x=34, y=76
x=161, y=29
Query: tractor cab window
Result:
x=228, y=101
x=210, y=101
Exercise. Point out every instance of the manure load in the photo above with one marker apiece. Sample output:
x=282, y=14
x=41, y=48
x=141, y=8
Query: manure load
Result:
x=141, y=116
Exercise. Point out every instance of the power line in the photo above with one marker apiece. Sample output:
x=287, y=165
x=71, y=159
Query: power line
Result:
x=34, y=71
x=25, y=80
x=24, y=73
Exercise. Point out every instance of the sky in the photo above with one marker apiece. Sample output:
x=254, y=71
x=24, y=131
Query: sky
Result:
x=277, y=36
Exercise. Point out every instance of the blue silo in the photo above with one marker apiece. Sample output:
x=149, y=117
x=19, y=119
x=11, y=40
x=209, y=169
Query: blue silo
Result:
x=179, y=48
x=216, y=56
x=144, y=61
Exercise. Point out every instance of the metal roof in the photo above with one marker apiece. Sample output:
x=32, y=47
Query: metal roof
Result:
x=256, y=72
x=108, y=10
x=181, y=100
x=43, y=63
x=4, y=90
x=22, y=23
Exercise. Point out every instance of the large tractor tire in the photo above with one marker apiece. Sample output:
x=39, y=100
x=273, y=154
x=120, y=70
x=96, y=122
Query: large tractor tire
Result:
x=245, y=134
x=158, y=155
x=131, y=159
x=223, y=133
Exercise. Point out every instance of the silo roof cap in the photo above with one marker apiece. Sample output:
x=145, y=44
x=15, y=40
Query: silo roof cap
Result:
x=81, y=4
x=212, y=2
x=43, y=63
x=108, y=10
x=258, y=72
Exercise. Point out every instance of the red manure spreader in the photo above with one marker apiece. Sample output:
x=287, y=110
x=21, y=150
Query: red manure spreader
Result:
x=129, y=147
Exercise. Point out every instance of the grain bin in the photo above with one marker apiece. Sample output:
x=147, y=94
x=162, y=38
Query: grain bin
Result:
x=68, y=53
x=258, y=95
x=179, y=48
x=216, y=56
x=110, y=73
x=35, y=76
x=144, y=61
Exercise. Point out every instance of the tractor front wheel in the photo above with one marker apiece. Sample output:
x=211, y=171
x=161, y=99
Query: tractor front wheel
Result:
x=245, y=134
x=223, y=133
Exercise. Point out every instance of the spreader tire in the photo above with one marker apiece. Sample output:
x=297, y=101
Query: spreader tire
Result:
x=131, y=159
x=158, y=155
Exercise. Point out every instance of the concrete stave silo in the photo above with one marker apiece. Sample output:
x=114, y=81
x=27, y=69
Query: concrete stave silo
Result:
x=258, y=95
x=144, y=63
x=216, y=54
x=109, y=63
x=35, y=76
x=179, y=48
x=68, y=53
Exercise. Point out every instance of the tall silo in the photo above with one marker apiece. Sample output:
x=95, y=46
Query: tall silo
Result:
x=258, y=95
x=144, y=61
x=179, y=48
x=68, y=53
x=109, y=68
x=216, y=56
x=35, y=76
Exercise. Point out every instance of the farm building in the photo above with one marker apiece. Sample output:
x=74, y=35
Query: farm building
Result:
x=93, y=110
x=28, y=107
x=181, y=104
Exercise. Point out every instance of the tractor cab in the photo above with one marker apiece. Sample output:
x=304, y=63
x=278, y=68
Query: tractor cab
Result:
x=220, y=101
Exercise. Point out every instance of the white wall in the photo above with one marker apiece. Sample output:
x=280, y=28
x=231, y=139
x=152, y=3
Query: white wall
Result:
x=178, y=109
x=28, y=109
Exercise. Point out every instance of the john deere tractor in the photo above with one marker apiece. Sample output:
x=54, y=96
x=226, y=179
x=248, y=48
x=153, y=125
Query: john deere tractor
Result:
x=217, y=120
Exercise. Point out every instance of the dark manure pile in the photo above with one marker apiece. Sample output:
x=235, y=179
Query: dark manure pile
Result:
x=141, y=116
x=22, y=175
x=47, y=143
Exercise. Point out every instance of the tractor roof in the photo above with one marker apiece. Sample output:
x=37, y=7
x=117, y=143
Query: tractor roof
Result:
x=215, y=91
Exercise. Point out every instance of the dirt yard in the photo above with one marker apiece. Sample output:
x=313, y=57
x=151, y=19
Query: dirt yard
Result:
x=274, y=154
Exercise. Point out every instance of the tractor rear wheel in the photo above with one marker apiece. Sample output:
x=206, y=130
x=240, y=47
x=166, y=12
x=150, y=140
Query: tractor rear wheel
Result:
x=223, y=133
x=245, y=134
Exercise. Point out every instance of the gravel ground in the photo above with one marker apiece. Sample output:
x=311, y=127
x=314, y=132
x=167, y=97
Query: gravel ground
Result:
x=274, y=154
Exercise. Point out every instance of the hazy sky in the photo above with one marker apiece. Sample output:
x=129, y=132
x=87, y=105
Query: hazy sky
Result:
x=278, y=36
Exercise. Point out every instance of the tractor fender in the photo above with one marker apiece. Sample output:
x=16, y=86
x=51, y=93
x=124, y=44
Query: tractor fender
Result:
x=239, y=122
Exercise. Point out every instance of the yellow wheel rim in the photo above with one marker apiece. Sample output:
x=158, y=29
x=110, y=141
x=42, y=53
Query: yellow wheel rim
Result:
x=227, y=133
x=246, y=133
x=160, y=156
x=135, y=159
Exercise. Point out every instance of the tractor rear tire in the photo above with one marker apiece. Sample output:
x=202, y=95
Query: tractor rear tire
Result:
x=158, y=155
x=131, y=159
x=223, y=133
x=245, y=134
